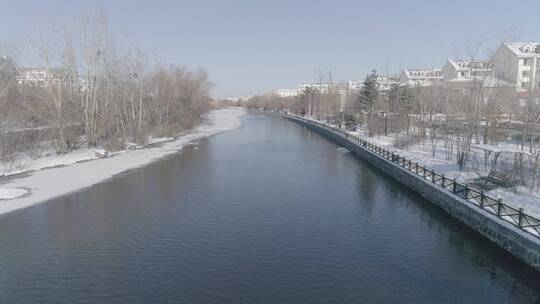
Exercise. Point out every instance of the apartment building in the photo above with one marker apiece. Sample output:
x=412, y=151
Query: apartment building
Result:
x=325, y=87
x=385, y=83
x=355, y=85
x=284, y=92
x=421, y=77
x=467, y=70
x=39, y=77
x=518, y=63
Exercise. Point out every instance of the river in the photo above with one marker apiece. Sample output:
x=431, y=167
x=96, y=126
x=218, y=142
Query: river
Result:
x=267, y=213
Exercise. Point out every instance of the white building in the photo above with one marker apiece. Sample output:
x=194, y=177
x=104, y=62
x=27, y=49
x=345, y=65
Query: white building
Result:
x=385, y=83
x=467, y=69
x=421, y=77
x=236, y=99
x=285, y=92
x=463, y=73
x=355, y=85
x=518, y=63
x=321, y=87
x=44, y=78
x=324, y=87
x=39, y=77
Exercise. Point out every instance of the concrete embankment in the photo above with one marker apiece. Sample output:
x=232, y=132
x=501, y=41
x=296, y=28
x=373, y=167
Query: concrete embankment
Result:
x=519, y=243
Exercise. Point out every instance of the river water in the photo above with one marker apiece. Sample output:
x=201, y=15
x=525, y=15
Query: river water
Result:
x=268, y=213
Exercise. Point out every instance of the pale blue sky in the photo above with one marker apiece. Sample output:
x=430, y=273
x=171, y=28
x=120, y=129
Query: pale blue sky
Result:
x=252, y=46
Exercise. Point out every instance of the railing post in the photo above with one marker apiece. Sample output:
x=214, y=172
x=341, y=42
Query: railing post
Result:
x=443, y=181
x=454, y=186
x=520, y=218
x=466, y=191
x=433, y=176
x=499, y=207
x=482, y=199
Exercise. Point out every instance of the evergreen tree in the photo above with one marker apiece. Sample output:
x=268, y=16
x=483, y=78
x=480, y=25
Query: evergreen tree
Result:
x=401, y=99
x=350, y=122
x=369, y=93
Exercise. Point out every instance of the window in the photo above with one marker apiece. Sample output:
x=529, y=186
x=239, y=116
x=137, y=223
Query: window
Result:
x=525, y=74
x=524, y=85
x=526, y=61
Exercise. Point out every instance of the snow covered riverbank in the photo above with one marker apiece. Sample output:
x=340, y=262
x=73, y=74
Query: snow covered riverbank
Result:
x=43, y=185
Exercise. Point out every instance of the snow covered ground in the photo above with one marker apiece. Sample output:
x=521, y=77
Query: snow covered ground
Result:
x=42, y=185
x=27, y=163
x=422, y=154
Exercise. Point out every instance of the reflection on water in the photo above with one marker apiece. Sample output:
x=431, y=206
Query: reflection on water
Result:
x=268, y=213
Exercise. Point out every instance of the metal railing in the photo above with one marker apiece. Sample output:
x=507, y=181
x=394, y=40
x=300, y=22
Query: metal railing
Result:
x=474, y=196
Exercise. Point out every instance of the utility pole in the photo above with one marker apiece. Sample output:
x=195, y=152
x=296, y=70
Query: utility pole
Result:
x=330, y=93
x=387, y=96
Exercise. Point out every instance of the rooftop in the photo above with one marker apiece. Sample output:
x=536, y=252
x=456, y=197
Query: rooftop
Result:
x=423, y=73
x=524, y=49
x=464, y=65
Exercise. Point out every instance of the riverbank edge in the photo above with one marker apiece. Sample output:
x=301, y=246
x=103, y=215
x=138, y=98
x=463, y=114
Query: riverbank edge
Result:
x=523, y=246
x=50, y=183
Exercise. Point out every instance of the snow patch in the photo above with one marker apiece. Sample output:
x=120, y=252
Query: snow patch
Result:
x=10, y=193
x=48, y=184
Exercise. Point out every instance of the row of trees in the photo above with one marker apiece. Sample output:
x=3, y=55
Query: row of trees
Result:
x=96, y=92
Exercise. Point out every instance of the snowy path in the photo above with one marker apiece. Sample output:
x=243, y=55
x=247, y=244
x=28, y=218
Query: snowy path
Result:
x=46, y=184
